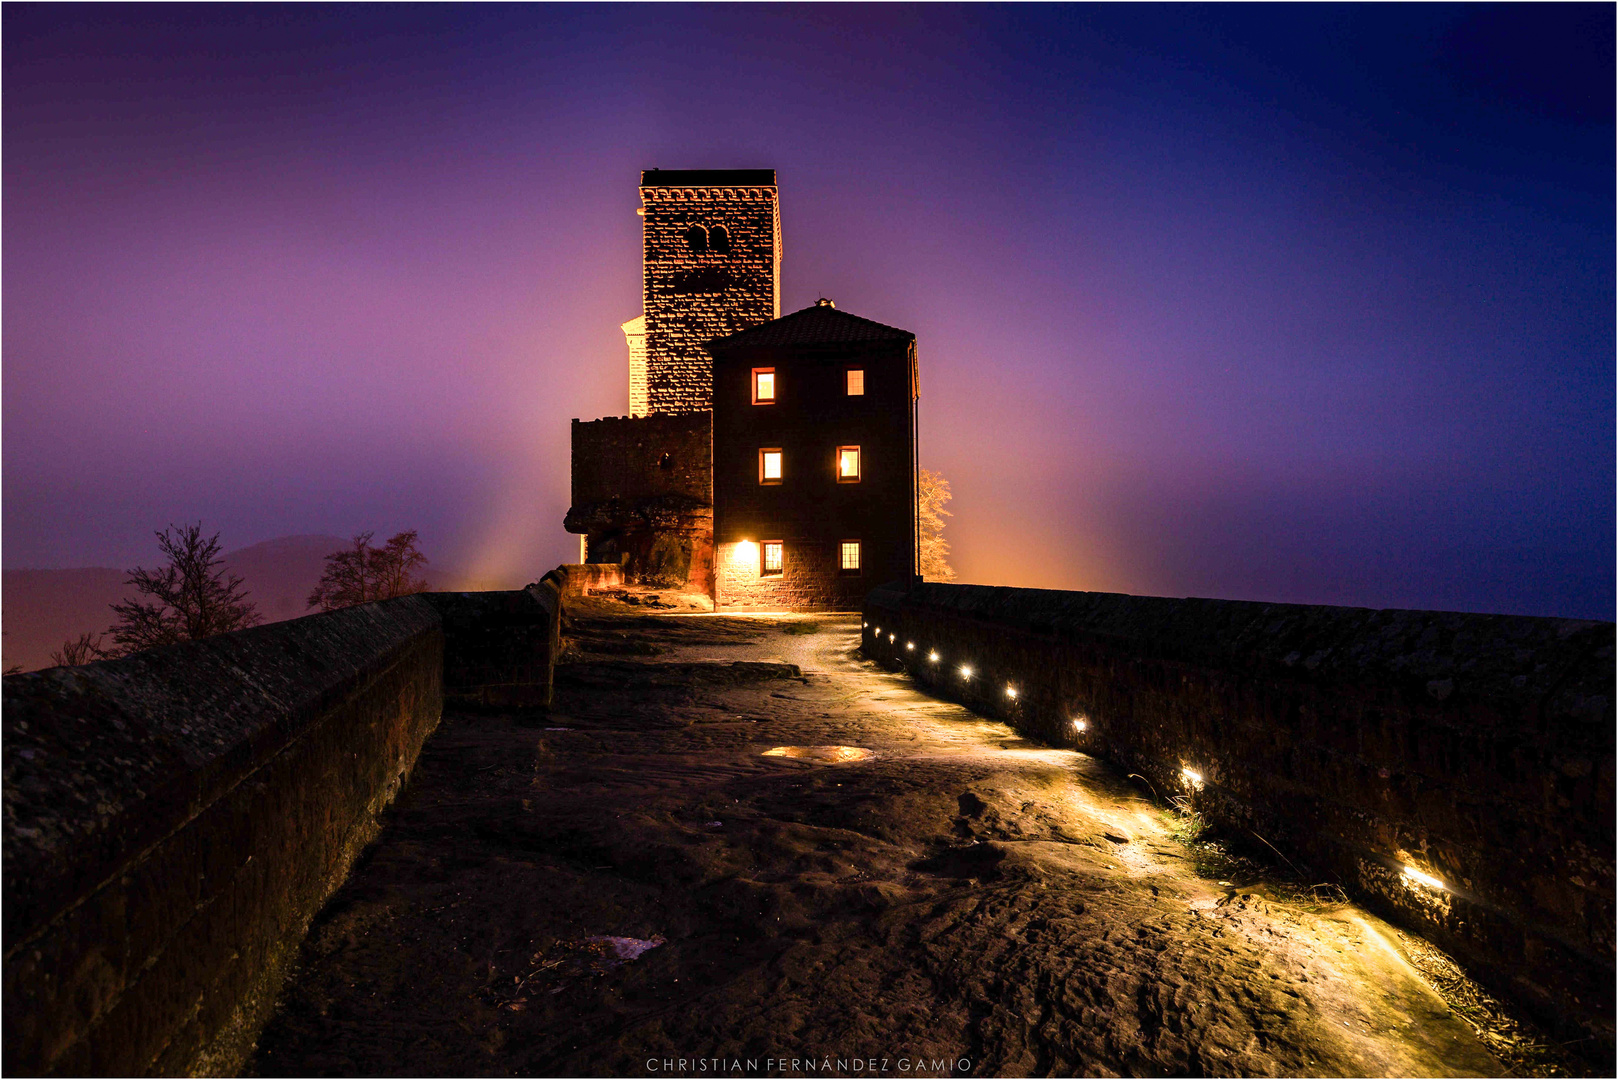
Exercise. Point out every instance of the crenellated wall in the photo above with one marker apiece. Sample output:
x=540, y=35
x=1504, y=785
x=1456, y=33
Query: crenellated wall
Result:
x=1476, y=749
x=643, y=494
x=173, y=820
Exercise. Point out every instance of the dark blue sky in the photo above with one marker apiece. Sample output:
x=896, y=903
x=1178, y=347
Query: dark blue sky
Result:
x=1294, y=303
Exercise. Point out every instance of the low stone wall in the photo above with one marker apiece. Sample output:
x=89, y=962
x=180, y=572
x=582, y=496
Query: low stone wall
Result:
x=500, y=647
x=1475, y=749
x=578, y=579
x=173, y=820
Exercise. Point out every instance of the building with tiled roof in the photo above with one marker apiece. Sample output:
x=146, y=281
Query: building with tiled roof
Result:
x=813, y=460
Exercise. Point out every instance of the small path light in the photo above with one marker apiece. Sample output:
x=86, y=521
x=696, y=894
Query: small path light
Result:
x=890, y=639
x=966, y=672
x=933, y=657
x=1412, y=874
x=1079, y=723
x=1192, y=777
x=910, y=644
x=1011, y=692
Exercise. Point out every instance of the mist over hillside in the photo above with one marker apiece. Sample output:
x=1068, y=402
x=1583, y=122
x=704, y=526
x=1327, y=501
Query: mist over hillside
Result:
x=40, y=609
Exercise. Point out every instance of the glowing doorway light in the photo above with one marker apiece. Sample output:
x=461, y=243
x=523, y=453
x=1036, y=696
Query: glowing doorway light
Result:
x=746, y=553
x=1412, y=874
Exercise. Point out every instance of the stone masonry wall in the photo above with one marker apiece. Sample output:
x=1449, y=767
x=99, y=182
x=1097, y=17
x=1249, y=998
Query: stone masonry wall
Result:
x=1478, y=749
x=173, y=820
x=691, y=297
x=809, y=580
x=633, y=458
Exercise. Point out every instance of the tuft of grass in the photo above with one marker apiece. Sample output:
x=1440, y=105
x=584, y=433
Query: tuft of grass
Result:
x=1188, y=825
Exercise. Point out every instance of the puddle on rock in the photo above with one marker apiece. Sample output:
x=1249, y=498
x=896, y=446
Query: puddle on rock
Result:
x=821, y=755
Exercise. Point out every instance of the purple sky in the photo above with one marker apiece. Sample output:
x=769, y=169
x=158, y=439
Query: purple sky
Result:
x=1309, y=304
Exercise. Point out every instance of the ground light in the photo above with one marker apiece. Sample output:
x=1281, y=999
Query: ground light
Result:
x=1079, y=724
x=1011, y=692
x=933, y=657
x=1412, y=874
x=1192, y=777
x=910, y=644
x=966, y=672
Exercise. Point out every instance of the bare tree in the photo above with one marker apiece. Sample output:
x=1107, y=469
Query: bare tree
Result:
x=187, y=600
x=80, y=650
x=932, y=492
x=362, y=573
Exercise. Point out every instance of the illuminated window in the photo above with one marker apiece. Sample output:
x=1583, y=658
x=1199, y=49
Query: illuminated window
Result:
x=763, y=386
x=769, y=466
x=697, y=237
x=850, y=563
x=848, y=464
x=719, y=240
x=770, y=559
x=856, y=382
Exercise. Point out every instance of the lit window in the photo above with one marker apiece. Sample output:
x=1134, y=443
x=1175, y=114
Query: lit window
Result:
x=771, y=564
x=856, y=382
x=769, y=466
x=763, y=385
x=851, y=557
x=848, y=464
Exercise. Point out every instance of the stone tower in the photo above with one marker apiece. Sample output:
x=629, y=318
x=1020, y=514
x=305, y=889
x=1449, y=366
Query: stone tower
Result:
x=712, y=250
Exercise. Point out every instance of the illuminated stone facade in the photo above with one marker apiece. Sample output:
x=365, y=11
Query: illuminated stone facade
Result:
x=712, y=267
x=635, y=336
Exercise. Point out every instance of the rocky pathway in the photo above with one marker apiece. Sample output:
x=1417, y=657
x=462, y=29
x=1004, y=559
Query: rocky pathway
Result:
x=735, y=848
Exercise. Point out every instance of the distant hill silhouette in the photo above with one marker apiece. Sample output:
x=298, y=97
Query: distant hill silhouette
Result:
x=43, y=608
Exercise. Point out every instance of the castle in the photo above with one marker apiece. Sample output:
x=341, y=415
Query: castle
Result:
x=767, y=462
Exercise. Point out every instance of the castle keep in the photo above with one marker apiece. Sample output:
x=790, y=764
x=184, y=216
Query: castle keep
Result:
x=835, y=516
x=712, y=266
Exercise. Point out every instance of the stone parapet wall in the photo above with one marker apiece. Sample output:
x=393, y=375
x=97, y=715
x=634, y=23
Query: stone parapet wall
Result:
x=1477, y=749
x=632, y=458
x=579, y=579
x=173, y=820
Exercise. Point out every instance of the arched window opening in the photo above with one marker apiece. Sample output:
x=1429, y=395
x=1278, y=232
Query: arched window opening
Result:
x=697, y=237
x=719, y=240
